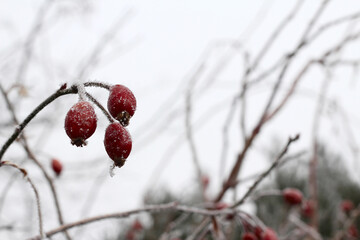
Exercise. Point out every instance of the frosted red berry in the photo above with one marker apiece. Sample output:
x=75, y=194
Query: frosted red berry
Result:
x=308, y=208
x=80, y=123
x=249, y=236
x=269, y=234
x=117, y=143
x=121, y=104
x=292, y=196
x=56, y=166
x=347, y=206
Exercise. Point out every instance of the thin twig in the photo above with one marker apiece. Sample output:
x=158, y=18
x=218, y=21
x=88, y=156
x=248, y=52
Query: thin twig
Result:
x=36, y=161
x=199, y=228
x=172, y=206
x=333, y=23
x=36, y=192
x=225, y=136
x=313, y=186
x=99, y=105
x=304, y=227
x=275, y=34
x=108, y=36
x=30, y=39
x=267, y=172
x=236, y=168
x=189, y=131
x=41, y=106
x=291, y=90
x=348, y=223
x=97, y=84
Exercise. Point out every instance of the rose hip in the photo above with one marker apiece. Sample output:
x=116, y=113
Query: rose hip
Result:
x=56, y=166
x=249, y=236
x=117, y=143
x=308, y=208
x=80, y=123
x=347, y=206
x=121, y=104
x=269, y=234
x=292, y=196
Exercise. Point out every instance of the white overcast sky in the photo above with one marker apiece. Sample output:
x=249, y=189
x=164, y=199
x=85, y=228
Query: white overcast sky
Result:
x=154, y=53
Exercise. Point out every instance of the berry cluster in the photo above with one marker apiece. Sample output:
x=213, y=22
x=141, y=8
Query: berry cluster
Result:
x=81, y=122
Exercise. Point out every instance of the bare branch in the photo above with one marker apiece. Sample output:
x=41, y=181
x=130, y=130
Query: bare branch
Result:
x=36, y=192
x=267, y=172
x=172, y=206
x=189, y=132
x=32, y=156
x=30, y=39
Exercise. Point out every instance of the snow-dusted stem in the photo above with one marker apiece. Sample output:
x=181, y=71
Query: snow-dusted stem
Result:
x=172, y=206
x=72, y=90
x=23, y=171
x=41, y=106
x=96, y=102
x=97, y=84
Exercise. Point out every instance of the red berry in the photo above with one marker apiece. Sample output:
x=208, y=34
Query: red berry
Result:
x=56, y=166
x=80, y=123
x=121, y=104
x=308, y=208
x=353, y=232
x=292, y=196
x=230, y=216
x=269, y=234
x=249, y=236
x=137, y=226
x=258, y=231
x=347, y=206
x=117, y=143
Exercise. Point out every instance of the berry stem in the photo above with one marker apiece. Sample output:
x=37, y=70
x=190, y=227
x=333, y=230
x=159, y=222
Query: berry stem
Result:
x=97, y=84
x=98, y=104
x=72, y=90
x=41, y=106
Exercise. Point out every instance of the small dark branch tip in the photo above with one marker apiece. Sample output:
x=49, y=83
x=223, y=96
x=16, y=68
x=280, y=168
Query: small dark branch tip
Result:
x=63, y=86
x=297, y=136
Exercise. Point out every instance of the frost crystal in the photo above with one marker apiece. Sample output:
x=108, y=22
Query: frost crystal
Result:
x=112, y=170
x=81, y=90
